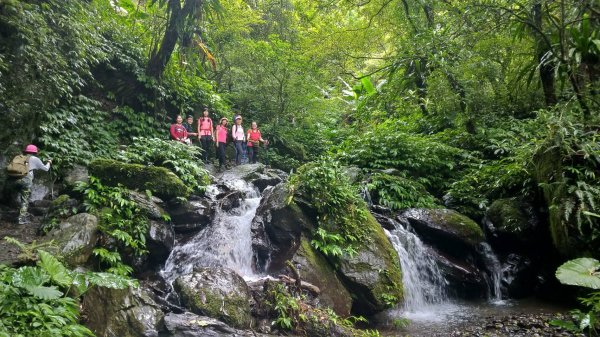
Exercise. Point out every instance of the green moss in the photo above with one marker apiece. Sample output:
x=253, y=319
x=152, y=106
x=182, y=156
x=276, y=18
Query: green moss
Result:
x=60, y=200
x=507, y=215
x=159, y=180
x=461, y=224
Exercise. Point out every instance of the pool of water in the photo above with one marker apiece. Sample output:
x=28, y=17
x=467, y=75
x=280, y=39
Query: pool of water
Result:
x=442, y=319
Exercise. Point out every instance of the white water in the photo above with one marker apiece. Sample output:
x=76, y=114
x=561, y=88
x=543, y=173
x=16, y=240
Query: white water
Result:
x=227, y=242
x=495, y=273
x=424, y=284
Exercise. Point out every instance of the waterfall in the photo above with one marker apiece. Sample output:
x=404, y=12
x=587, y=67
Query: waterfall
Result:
x=424, y=284
x=495, y=273
x=227, y=242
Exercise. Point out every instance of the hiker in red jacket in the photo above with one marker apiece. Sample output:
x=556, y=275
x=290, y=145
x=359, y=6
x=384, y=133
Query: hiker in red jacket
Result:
x=254, y=138
x=178, y=131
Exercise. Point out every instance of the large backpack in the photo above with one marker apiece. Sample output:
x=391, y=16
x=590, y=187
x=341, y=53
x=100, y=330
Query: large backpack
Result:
x=19, y=166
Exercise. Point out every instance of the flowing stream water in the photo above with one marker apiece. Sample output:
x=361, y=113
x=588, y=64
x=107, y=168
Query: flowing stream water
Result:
x=227, y=242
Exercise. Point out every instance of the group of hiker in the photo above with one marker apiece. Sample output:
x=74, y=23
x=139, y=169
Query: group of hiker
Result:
x=207, y=134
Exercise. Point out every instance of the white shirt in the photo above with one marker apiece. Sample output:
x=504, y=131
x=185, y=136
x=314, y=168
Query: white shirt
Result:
x=237, y=132
x=36, y=164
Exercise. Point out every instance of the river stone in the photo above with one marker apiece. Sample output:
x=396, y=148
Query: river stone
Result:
x=150, y=206
x=75, y=238
x=373, y=275
x=465, y=279
x=159, y=241
x=276, y=229
x=192, y=325
x=191, y=216
x=122, y=312
x=229, y=200
x=445, y=229
x=315, y=269
x=76, y=174
x=512, y=225
x=216, y=292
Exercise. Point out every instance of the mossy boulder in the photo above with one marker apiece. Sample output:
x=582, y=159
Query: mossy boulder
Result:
x=314, y=268
x=218, y=293
x=445, y=229
x=276, y=229
x=158, y=180
x=75, y=238
x=373, y=275
x=122, y=312
x=512, y=225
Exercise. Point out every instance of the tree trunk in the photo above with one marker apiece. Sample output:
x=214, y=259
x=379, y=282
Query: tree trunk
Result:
x=545, y=66
x=158, y=61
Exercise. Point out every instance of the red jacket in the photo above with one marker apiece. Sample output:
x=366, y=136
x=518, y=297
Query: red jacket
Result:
x=178, y=132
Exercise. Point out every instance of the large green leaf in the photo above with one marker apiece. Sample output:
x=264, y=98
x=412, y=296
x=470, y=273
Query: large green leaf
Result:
x=45, y=293
x=584, y=272
x=57, y=271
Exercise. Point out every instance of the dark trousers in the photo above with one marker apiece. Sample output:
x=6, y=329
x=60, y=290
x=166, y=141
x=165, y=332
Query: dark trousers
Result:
x=221, y=153
x=206, y=142
x=239, y=151
x=253, y=153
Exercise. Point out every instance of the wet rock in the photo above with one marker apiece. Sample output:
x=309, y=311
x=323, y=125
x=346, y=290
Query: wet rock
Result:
x=75, y=238
x=76, y=174
x=518, y=276
x=445, y=229
x=276, y=229
x=372, y=275
x=229, y=200
x=191, y=216
x=269, y=178
x=43, y=186
x=216, y=292
x=159, y=241
x=122, y=313
x=150, y=206
x=191, y=325
x=315, y=269
x=40, y=207
x=512, y=226
x=465, y=279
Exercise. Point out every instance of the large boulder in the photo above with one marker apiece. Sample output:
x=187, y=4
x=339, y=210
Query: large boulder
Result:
x=373, y=274
x=512, y=225
x=445, y=229
x=158, y=180
x=216, y=292
x=43, y=186
x=75, y=238
x=192, y=325
x=465, y=279
x=276, y=229
x=191, y=216
x=76, y=174
x=159, y=241
x=122, y=313
x=150, y=205
x=315, y=269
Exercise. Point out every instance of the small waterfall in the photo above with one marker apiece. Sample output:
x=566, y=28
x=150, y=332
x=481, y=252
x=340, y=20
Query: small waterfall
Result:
x=495, y=269
x=227, y=242
x=424, y=284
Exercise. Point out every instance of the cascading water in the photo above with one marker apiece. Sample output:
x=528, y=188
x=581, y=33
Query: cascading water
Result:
x=227, y=242
x=495, y=273
x=424, y=284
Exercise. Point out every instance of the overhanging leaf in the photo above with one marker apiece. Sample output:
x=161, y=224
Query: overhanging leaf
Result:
x=583, y=272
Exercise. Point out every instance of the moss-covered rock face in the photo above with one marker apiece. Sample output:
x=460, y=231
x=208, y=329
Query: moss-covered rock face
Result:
x=159, y=180
x=315, y=269
x=123, y=313
x=445, y=228
x=373, y=275
x=75, y=238
x=509, y=217
x=218, y=293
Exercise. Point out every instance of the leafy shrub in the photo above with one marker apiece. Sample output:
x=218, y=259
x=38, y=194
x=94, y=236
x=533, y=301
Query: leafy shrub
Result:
x=120, y=218
x=34, y=301
x=182, y=159
x=339, y=206
x=583, y=272
x=399, y=192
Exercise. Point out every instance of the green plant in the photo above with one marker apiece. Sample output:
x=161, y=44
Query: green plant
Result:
x=398, y=192
x=120, y=218
x=34, y=300
x=340, y=209
x=583, y=272
x=183, y=160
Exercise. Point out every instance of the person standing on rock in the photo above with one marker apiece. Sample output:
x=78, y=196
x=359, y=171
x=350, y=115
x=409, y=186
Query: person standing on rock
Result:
x=205, y=133
x=20, y=172
x=221, y=141
x=188, y=127
x=254, y=138
x=178, y=131
x=237, y=132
